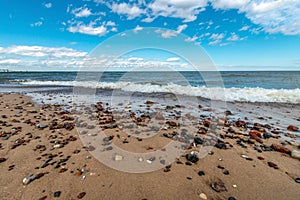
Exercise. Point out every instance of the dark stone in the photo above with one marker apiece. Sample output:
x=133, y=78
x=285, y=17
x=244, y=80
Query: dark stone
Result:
x=226, y=172
x=43, y=198
x=198, y=140
x=231, y=198
x=297, y=180
x=220, y=167
x=2, y=160
x=57, y=194
x=271, y=164
x=188, y=163
x=192, y=158
x=220, y=145
x=201, y=173
x=81, y=195
x=218, y=186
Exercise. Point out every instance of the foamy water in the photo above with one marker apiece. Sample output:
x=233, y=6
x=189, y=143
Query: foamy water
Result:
x=214, y=93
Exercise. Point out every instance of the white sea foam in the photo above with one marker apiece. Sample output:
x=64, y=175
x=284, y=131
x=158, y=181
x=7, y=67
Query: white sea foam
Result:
x=227, y=94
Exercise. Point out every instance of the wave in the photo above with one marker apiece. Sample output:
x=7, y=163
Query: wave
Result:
x=214, y=93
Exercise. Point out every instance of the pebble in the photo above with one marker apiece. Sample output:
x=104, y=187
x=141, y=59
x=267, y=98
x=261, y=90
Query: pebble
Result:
x=192, y=157
x=201, y=173
x=271, y=164
x=218, y=186
x=295, y=154
x=203, y=196
x=231, y=198
x=297, y=180
x=57, y=194
x=43, y=198
x=226, y=172
x=292, y=128
x=81, y=195
x=118, y=157
x=2, y=160
x=28, y=179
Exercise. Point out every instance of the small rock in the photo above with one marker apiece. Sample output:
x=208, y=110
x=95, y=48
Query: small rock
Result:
x=43, y=198
x=231, y=198
x=203, y=196
x=281, y=149
x=118, y=157
x=201, y=173
x=297, y=180
x=292, y=128
x=2, y=160
x=271, y=164
x=28, y=179
x=192, y=157
x=295, y=154
x=218, y=186
x=226, y=172
x=57, y=194
x=81, y=195
x=260, y=158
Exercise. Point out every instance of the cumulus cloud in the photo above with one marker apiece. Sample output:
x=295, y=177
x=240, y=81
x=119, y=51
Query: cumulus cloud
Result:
x=131, y=11
x=191, y=39
x=280, y=16
x=137, y=29
x=171, y=33
x=135, y=59
x=89, y=29
x=235, y=37
x=41, y=51
x=173, y=59
x=186, y=10
x=81, y=12
x=216, y=38
x=48, y=5
x=40, y=57
x=39, y=23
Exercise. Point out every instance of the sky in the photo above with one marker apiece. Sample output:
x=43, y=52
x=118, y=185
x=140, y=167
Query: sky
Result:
x=234, y=34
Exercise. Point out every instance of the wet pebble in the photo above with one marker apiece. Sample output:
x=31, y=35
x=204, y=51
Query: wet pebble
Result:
x=231, y=198
x=226, y=172
x=81, y=195
x=218, y=186
x=297, y=180
x=271, y=164
x=57, y=194
x=201, y=173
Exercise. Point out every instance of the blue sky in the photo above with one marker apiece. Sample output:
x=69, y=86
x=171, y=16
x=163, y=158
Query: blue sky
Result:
x=237, y=35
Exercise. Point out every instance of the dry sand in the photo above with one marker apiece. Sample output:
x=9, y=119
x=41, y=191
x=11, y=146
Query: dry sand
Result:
x=82, y=173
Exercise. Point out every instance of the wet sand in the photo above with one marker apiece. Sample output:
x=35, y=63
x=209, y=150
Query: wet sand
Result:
x=49, y=143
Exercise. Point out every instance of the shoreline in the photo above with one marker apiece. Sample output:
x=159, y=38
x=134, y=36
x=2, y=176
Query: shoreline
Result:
x=80, y=174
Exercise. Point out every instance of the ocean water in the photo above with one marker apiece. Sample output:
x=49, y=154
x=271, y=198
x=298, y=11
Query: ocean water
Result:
x=254, y=86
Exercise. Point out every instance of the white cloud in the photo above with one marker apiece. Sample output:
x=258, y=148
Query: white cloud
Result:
x=171, y=33
x=81, y=12
x=40, y=51
x=216, y=38
x=173, y=59
x=184, y=9
x=48, y=5
x=235, y=37
x=137, y=29
x=89, y=29
x=244, y=28
x=229, y=4
x=131, y=11
x=39, y=23
x=275, y=16
x=191, y=39
x=135, y=59
x=9, y=61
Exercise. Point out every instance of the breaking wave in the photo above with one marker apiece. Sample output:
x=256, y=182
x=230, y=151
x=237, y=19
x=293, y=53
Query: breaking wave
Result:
x=246, y=94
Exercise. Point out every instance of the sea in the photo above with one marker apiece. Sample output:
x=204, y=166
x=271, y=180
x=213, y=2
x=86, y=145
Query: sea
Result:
x=237, y=86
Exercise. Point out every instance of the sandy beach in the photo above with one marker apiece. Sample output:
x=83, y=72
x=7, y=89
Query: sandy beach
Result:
x=41, y=159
